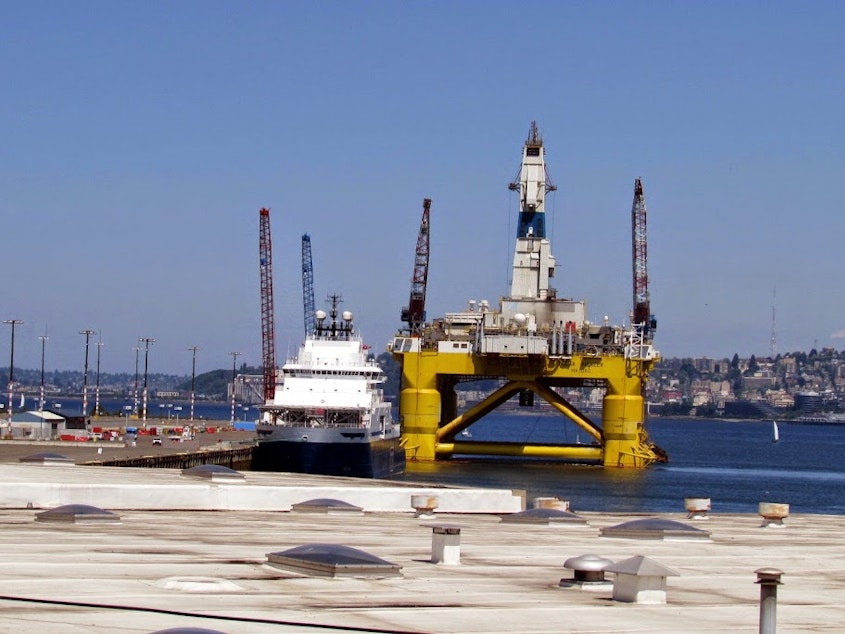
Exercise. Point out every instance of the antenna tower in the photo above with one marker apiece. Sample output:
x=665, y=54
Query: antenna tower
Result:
x=268, y=338
x=773, y=343
x=308, y=286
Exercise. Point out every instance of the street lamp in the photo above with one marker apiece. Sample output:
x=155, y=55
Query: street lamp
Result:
x=43, y=339
x=193, y=349
x=137, y=349
x=146, y=341
x=87, y=334
x=97, y=391
x=235, y=356
x=12, y=323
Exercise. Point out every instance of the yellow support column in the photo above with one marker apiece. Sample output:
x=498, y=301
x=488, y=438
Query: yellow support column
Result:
x=623, y=416
x=419, y=409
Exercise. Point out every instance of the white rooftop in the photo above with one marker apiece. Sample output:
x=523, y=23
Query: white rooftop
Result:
x=178, y=567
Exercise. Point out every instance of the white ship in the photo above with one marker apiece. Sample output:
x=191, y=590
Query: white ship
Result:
x=329, y=415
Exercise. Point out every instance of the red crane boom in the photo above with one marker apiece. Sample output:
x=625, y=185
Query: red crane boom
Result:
x=642, y=305
x=268, y=337
x=414, y=313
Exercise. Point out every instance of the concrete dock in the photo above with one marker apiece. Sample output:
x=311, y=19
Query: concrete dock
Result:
x=194, y=554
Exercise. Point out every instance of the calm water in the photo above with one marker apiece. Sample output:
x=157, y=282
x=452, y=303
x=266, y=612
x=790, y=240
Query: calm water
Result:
x=736, y=464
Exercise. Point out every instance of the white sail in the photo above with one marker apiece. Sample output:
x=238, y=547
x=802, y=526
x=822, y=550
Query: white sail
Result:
x=775, y=431
x=23, y=400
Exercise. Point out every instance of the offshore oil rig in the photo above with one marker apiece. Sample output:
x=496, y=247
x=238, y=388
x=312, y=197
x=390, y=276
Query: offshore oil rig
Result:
x=536, y=342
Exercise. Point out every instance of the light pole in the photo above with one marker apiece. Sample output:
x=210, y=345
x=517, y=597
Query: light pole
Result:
x=137, y=349
x=193, y=349
x=12, y=323
x=97, y=390
x=43, y=339
x=146, y=341
x=87, y=334
x=235, y=356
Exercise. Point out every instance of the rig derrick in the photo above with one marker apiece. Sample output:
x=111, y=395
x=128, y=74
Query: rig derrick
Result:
x=537, y=343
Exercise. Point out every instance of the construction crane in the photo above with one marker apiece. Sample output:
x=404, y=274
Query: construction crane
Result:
x=414, y=313
x=268, y=338
x=308, y=286
x=642, y=317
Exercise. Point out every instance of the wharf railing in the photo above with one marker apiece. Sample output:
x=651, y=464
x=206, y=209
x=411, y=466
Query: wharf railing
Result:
x=238, y=458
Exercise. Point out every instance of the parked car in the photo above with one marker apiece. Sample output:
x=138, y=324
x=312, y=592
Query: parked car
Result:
x=157, y=440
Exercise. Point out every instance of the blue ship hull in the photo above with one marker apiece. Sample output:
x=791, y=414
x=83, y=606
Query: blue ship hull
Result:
x=375, y=459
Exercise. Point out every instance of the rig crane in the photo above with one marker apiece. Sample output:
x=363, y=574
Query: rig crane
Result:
x=414, y=313
x=308, y=286
x=642, y=316
x=268, y=338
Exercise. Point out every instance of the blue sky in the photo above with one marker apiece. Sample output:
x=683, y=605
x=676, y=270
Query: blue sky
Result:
x=141, y=139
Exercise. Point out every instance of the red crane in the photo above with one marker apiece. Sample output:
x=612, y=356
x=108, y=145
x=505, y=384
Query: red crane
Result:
x=414, y=313
x=268, y=337
x=642, y=305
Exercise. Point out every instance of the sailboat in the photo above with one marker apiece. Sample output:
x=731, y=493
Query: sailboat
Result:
x=775, y=431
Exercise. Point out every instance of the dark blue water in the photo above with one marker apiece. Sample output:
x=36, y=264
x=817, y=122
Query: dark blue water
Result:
x=735, y=464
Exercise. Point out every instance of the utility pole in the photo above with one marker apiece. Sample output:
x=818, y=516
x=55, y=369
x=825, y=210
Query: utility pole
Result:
x=193, y=349
x=146, y=341
x=87, y=334
x=97, y=390
x=235, y=356
x=43, y=339
x=137, y=349
x=12, y=323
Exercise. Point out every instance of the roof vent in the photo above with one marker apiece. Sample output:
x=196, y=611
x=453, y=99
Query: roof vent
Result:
x=588, y=572
x=47, y=458
x=78, y=514
x=546, y=516
x=327, y=505
x=773, y=513
x=198, y=584
x=640, y=580
x=655, y=528
x=697, y=508
x=213, y=472
x=332, y=560
x=551, y=503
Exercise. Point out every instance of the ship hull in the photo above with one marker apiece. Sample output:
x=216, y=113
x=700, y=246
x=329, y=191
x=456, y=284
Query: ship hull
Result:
x=377, y=458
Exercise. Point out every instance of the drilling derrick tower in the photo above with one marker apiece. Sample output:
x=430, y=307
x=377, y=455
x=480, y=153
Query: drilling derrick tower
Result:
x=414, y=313
x=268, y=337
x=308, y=287
x=642, y=319
x=536, y=342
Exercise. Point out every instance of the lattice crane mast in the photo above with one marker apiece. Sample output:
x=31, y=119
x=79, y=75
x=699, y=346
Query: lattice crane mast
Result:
x=642, y=316
x=268, y=338
x=308, y=286
x=414, y=313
